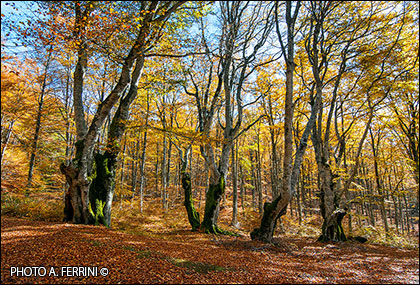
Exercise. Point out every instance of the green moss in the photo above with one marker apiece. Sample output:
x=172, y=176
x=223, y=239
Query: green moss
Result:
x=213, y=196
x=98, y=214
x=193, y=215
x=102, y=182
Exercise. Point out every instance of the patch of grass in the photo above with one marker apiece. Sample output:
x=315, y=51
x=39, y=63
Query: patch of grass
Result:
x=140, y=253
x=143, y=253
x=97, y=243
x=199, y=267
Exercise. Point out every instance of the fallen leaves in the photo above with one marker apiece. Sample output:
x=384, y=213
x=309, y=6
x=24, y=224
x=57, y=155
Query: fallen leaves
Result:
x=195, y=257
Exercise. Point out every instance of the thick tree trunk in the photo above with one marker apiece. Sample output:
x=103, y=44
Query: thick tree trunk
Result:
x=272, y=212
x=213, y=197
x=193, y=215
x=76, y=199
x=81, y=171
x=332, y=228
x=101, y=190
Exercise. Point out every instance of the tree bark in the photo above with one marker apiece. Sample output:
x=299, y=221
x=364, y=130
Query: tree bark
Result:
x=103, y=184
x=213, y=197
x=83, y=169
x=278, y=207
x=193, y=215
x=235, y=186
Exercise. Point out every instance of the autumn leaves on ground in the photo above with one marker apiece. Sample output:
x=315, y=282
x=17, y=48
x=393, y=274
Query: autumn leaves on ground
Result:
x=174, y=254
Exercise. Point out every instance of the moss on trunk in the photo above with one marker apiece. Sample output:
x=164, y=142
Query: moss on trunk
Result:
x=193, y=215
x=101, y=187
x=213, y=197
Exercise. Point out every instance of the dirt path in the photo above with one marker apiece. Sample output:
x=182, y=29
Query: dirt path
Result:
x=185, y=257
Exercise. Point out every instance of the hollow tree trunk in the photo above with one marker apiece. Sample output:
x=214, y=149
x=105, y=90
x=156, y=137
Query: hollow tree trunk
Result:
x=76, y=201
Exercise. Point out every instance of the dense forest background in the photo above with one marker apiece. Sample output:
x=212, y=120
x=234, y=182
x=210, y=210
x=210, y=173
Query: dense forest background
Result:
x=266, y=117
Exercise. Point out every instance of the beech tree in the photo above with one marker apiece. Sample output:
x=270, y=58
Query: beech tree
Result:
x=244, y=31
x=150, y=104
x=91, y=177
x=278, y=207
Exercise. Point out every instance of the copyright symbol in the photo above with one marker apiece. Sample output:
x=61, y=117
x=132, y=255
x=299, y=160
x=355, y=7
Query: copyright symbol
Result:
x=104, y=271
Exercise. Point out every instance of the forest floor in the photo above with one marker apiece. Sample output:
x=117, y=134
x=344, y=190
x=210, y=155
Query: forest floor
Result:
x=182, y=256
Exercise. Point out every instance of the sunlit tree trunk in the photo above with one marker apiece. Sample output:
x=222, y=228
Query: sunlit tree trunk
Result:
x=278, y=207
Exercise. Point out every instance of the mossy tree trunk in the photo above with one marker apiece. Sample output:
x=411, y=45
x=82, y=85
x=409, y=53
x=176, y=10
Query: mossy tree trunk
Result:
x=213, y=197
x=272, y=212
x=193, y=215
x=101, y=190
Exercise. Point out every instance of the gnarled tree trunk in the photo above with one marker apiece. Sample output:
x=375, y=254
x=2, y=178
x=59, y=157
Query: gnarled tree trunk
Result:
x=332, y=228
x=82, y=173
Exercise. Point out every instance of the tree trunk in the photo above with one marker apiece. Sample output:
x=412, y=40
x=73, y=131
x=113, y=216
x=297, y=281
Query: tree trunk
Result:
x=5, y=137
x=216, y=188
x=143, y=155
x=258, y=172
x=101, y=190
x=332, y=228
x=272, y=212
x=76, y=200
x=164, y=194
x=80, y=172
x=193, y=215
x=213, y=197
x=235, y=186
x=378, y=180
x=277, y=208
